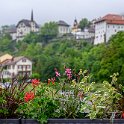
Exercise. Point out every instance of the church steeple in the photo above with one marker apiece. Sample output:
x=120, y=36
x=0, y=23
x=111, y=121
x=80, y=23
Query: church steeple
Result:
x=75, y=22
x=32, y=18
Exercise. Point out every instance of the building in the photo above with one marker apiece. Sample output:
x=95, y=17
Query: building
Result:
x=63, y=28
x=107, y=26
x=75, y=27
x=16, y=66
x=12, y=32
x=11, y=29
x=25, y=26
x=87, y=34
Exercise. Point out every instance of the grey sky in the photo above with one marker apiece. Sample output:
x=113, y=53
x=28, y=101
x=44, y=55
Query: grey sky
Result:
x=11, y=11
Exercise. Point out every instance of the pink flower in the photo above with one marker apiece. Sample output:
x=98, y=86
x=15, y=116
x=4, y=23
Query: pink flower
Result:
x=57, y=73
x=68, y=73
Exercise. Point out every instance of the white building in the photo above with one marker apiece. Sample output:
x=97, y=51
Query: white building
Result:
x=16, y=66
x=25, y=26
x=107, y=26
x=86, y=34
x=63, y=28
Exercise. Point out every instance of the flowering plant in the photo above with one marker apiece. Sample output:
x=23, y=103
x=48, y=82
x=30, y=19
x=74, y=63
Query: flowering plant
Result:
x=14, y=95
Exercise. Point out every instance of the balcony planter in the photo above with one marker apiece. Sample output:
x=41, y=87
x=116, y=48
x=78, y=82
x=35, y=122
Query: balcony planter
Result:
x=29, y=121
x=85, y=121
x=18, y=121
x=63, y=121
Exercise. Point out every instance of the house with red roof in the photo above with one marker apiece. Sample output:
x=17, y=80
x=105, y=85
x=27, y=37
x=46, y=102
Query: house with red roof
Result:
x=107, y=26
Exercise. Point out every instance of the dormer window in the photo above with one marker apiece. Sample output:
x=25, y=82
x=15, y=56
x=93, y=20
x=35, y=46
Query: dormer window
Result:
x=24, y=60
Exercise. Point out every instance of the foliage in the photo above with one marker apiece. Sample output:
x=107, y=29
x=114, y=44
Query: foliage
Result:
x=12, y=96
x=42, y=107
x=100, y=60
x=5, y=44
x=31, y=38
x=113, y=57
x=100, y=103
x=84, y=23
x=49, y=31
x=68, y=98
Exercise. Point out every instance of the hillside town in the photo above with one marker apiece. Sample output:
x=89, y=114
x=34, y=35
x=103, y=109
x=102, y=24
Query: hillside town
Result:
x=61, y=62
x=99, y=30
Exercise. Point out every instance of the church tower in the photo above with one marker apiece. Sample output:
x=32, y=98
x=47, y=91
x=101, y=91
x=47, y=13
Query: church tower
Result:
x=75, y=27
x=75, y=23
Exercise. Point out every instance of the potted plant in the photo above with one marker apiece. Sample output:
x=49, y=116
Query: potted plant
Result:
x=14, y=95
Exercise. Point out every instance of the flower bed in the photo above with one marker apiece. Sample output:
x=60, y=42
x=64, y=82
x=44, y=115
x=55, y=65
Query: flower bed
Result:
x=70, y=96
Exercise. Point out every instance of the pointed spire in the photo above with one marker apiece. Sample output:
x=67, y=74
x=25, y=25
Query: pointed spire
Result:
x=32, y=18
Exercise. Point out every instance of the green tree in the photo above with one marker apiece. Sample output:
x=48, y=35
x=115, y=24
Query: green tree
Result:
x=49, y=31
x=5, y=43
x=84, y=23
x=113, y=57
x=31, y=38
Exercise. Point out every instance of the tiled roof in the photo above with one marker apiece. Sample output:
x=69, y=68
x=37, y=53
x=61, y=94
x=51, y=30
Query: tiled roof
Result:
x=119, y=22
x=60, y=22
x=5, y=57
x=27, y=23
x=12, y=61
x=112, y=19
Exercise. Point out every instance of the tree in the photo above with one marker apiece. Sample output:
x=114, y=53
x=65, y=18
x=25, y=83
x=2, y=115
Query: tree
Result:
x=5, y=43
x=84, y=23
x=31, y=38
x=49, y=31
x=113, y=58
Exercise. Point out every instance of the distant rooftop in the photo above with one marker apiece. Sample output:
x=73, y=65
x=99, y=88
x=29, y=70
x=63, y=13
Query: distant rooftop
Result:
x=112, y=19
x=27, y=23
x=63, y=23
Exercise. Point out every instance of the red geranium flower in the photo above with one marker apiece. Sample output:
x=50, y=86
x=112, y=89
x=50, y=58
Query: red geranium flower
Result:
x=28, y=96
x=122, y=115
x=51, y=80
x=35, y=82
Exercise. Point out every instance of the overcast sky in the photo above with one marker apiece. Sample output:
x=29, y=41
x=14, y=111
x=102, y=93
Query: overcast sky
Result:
x=12, y=11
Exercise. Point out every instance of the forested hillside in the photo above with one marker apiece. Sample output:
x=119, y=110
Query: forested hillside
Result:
x=101, y=61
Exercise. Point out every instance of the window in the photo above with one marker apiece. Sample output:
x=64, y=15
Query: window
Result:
x=20, y=66
x=9, y=66
x=24, y=60
x=28, y=66
x=13, y=66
